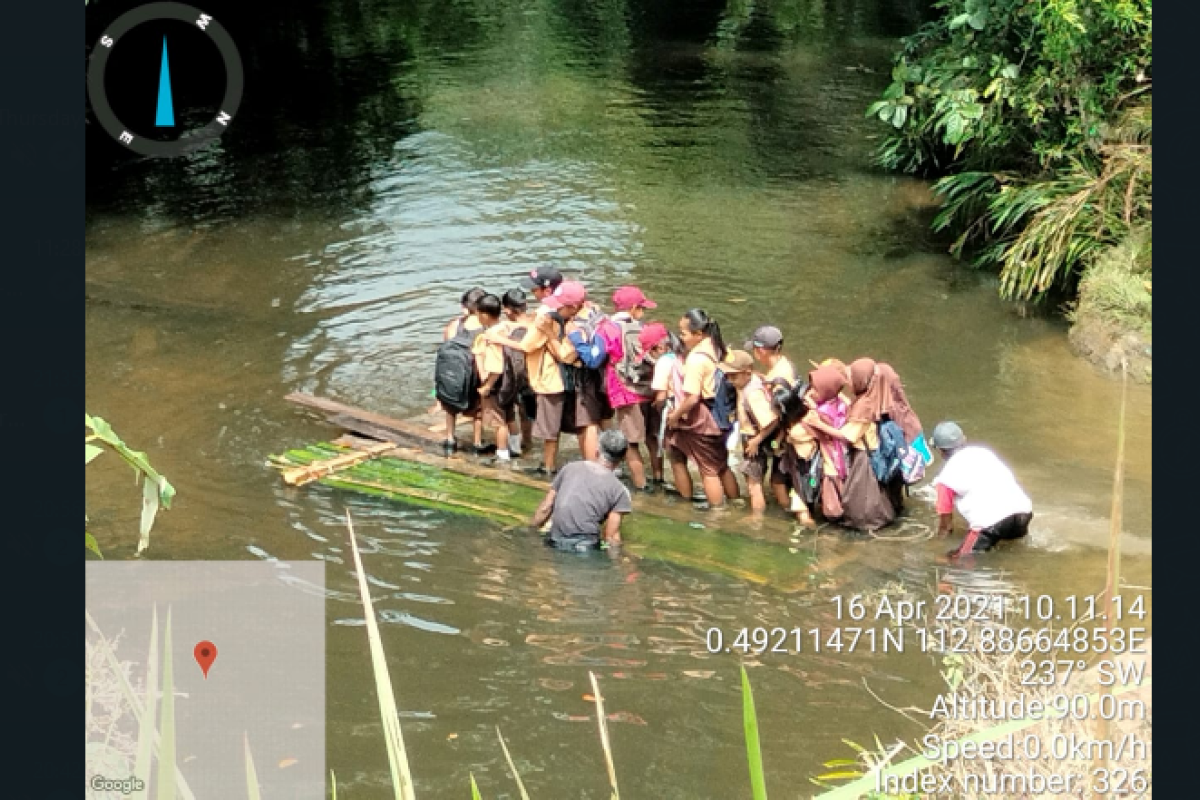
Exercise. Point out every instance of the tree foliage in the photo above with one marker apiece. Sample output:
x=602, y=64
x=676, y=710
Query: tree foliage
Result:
x=1036, y=116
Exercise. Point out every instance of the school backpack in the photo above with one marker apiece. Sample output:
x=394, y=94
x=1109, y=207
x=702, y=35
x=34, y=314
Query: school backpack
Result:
x=886, y=460
x=515, y=380
x=594, y=338
x=723, y=404
x=456, y=384
x=633, y=369
x=914, y=462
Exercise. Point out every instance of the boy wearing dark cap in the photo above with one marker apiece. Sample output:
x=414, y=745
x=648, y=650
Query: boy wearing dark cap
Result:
x=767, y=346
x=542, y=282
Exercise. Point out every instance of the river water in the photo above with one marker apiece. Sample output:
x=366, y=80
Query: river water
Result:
x=390, y=155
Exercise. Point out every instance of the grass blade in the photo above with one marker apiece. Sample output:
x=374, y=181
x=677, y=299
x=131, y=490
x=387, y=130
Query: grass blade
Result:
x=867, y=783
x=758, y=781
x=475, y=795
x=603, y=720
x=252, y=792
x=166, y=745
x=134, y=703
x=511, y=765
x=90, y=543
x=145, y=745
x=402, y=782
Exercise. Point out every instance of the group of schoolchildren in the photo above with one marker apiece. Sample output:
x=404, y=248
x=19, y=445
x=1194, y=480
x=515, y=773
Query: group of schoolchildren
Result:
x=840, y=443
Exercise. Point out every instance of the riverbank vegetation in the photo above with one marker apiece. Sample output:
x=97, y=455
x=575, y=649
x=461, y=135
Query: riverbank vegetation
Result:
x=1036, y=121
x=157, y=491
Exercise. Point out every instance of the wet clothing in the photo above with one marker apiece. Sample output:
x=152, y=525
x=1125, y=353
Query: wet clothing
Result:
x=868, y=505
x=585, y=494
x=981, y=487
x=1014, y=526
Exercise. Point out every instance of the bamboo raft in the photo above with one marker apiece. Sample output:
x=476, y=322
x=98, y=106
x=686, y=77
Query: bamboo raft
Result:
x=390, y=458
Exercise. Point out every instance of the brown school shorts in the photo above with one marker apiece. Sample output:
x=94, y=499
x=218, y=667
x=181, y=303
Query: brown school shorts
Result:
x=591, y=407
x=470, y=413
x=709, y=453
x=754, y=468
x=547, y=425
x=493, y=414
x=631, y=421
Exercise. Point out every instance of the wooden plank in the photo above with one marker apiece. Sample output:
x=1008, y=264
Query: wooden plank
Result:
x=345, y=415
x=298, y=476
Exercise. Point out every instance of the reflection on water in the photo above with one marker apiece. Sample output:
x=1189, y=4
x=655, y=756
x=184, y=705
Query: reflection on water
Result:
x=393, y=154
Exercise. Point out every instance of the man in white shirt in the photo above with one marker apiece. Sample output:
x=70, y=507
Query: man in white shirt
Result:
x=983, y=490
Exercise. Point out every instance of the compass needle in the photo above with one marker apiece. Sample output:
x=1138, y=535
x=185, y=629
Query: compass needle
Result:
x=164, y=116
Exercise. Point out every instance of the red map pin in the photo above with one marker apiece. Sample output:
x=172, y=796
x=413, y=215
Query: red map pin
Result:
x=206, y=654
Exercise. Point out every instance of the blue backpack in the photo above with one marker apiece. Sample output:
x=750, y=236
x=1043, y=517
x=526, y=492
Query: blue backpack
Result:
x=886, y=460
x=723, y=404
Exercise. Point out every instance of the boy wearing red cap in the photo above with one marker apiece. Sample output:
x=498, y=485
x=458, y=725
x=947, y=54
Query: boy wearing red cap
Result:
x=629, y=390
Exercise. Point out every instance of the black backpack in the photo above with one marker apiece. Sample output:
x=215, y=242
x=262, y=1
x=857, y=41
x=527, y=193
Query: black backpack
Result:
x=456, y=384
x=515, y=380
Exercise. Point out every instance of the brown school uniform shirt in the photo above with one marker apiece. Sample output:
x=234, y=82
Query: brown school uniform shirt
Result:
x=489, y=358
x=782, y=369
x=754, y=407
x=542, y=357
x=863, y=435
x=802, y=441
x=699, y=371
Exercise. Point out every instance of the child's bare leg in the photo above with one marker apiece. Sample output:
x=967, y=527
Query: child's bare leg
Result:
x=637, y=468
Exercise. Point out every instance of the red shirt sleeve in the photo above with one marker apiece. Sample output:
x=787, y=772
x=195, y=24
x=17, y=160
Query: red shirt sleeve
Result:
x=945, y=499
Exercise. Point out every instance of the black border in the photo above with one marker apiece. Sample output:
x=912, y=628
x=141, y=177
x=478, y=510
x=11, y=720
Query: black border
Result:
x=41, y=325
x=1174, y=227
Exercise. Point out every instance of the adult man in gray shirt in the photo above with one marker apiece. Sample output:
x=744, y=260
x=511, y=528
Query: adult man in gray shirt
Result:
x=586, y=501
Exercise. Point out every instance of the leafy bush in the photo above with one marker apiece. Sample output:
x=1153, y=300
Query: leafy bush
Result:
x=1036, y=115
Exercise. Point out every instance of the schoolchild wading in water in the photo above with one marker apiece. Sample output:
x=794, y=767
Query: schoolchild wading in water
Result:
x=776, y=371
x=694, y=433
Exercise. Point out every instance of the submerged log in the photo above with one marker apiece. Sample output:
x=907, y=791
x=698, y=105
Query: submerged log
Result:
x=724, y=542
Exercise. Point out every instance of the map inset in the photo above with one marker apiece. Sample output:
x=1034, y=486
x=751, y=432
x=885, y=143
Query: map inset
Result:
x=206, y=676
